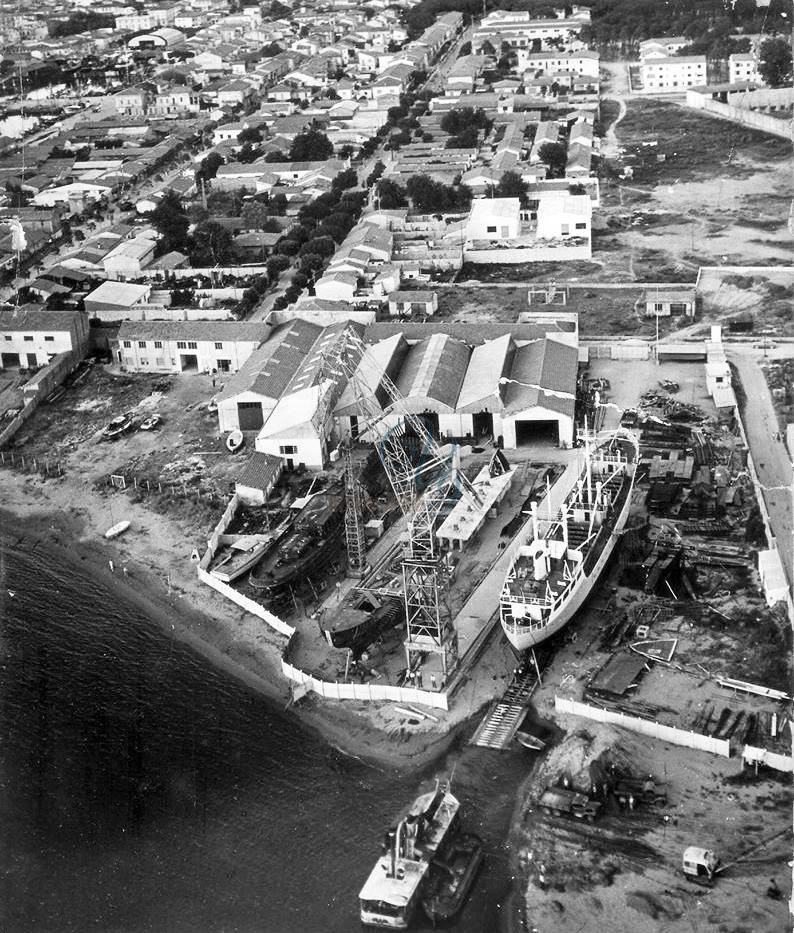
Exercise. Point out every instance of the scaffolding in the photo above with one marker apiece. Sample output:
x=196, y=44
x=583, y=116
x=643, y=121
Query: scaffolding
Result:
x=354, y=518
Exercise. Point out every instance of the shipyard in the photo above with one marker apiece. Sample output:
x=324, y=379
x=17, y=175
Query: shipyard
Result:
x=426, y=372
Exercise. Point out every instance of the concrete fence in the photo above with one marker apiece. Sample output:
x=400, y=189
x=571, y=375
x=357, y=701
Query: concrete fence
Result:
x=532, y=254
x=753, y=119
x=244, y=602
x=763, y=756
x=333, y=690
x=671, y=734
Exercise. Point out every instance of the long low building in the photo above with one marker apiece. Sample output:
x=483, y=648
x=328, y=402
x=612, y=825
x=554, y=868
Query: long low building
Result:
x=186, y=346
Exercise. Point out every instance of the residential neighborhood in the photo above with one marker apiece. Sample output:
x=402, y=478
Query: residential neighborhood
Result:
x=396, y=445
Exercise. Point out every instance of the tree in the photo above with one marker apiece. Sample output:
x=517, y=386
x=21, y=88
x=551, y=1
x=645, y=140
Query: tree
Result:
x=277, y=204
x=311, y=146
x=465, y=49
x=276, y=155
x=210, y=245
x=254, y=215
x=287, y=247
x=209, y=167
x=248, y=154
x=429, y=196
x=464, y=118
x=390, y=194
x=311, y=262
x=346, y=179
x=555, y=156
x=249, y=134
x=276, y=265
x=171, y=222
x=377, y=170
x=774, y=64
x=323, y=246
x=277, y=10
x=511, y=185
x=467, y=139
x=299, y=280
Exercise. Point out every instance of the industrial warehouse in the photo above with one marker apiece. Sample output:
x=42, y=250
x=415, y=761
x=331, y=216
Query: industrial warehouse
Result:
x=515, y=387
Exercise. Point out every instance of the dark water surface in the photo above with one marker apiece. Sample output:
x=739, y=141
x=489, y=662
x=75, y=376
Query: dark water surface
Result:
x=141, y=789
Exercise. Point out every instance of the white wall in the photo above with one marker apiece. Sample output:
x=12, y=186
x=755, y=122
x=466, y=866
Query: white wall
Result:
x=44, y=349
x=167, y=357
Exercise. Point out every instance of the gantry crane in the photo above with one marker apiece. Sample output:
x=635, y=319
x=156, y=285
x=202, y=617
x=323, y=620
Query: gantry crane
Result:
x=421, y=490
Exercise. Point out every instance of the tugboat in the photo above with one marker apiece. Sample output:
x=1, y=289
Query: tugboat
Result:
x=560, y=561
x=452, y=877
x=393, y=891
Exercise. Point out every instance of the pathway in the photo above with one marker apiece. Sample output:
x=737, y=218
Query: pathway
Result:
x=618, y=86
x=771, y=458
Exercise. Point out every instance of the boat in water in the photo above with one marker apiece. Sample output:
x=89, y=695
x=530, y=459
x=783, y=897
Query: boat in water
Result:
x=240, y=556
x=559, y=562
x=452, y=877
x=393, y=891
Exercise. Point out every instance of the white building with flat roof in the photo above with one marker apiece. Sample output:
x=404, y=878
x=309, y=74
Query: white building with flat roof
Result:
x=743, y=66
x=676, y=73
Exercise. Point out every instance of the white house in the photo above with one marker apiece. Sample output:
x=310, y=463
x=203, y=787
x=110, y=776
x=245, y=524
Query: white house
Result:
x=673, y=74
x=494, y=219
x=114, y=301
x=743, y=66
x=129, y=258
x=186, y=346
x=583, y=62
x=31, y=337
x=662, y=47
x=564, y=215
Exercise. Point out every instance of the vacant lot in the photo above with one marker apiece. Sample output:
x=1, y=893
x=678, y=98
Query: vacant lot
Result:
x=697, y=191
x=602, y=311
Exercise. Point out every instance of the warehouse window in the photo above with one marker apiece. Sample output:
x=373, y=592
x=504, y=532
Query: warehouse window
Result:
x=128, y=343
x=27, y=338
x=191, y=344
x=142, y=344
x=158, y=344
x=49, y=338
x=181, y=345
x=288, y=449
x=218, y=345
x=581, y=226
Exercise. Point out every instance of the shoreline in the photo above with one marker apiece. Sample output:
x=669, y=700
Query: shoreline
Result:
x=69, y=519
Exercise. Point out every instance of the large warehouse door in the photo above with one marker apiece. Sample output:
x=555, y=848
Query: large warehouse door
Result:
x=9, y=360
x=249, y=416
x=537, y=432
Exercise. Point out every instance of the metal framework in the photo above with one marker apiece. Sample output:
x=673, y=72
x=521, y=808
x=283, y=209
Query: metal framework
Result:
x=421, y=492
x=354, y=519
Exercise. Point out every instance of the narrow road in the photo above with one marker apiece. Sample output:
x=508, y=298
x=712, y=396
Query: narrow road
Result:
x=771, y=457
x=617, y=86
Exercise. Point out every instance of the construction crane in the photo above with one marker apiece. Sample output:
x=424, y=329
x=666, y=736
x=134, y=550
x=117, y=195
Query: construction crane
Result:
x=422, y=491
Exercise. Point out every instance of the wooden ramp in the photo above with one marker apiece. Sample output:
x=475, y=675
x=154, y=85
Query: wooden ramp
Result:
x=502, y=720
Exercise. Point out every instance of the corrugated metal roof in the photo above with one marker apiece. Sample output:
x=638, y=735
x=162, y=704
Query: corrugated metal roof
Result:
x=488, y=363
x=546, y=363
x=434, y=370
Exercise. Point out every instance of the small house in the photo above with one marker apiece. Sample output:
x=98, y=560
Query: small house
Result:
x=258, y=477
x=667, y=303
x=413, y=302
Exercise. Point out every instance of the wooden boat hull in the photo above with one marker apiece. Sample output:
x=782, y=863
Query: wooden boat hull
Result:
x=454, y=878
x=228, y=574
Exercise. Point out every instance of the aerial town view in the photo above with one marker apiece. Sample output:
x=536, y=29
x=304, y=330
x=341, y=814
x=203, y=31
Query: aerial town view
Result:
x=397, y=466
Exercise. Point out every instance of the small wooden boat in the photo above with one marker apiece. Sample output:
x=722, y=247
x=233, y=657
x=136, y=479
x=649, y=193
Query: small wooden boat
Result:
x=117, y=427
x=240, y=557
x=527, y=733
x=452, y=877
x=118, y=529
x=150, y=423
x=235, y=441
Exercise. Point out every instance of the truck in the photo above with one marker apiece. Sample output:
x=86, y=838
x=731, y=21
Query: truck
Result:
x=645, y=791
x=558, y=800
x=701, y=865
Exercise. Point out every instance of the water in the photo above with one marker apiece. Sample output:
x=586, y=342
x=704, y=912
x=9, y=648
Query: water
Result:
x=141, y=789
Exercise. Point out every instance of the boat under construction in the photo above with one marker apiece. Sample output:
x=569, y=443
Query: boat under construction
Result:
x=558, y=564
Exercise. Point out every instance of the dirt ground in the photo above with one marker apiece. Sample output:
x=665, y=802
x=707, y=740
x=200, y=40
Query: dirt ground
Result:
x=602, y=311
x=623, y=872
x=703, y=191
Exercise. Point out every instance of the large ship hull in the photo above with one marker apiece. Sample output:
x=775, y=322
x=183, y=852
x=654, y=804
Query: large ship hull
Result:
x=523, y=636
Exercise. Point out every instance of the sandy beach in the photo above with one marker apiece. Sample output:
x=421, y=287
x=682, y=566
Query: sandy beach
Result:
x=69, y=514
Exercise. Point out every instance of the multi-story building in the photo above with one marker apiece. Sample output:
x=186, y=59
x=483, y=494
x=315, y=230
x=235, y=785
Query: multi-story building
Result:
x=673, y=74
x=743, y=66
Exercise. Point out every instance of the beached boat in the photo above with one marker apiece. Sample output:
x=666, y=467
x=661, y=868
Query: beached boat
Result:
x=556, y=567
x=392, y=893
x=150, y=423
x=452, y=877
x=118, y=529
x=117, y=427
x=240, y=557
x=300, y=563
x=235, y=441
